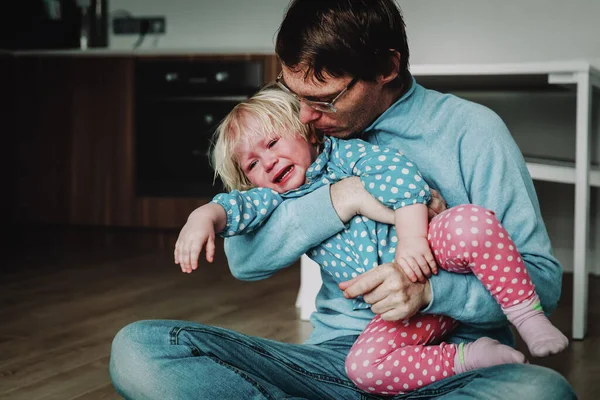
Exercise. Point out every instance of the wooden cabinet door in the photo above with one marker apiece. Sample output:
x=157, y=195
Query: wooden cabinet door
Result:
x=74, y=144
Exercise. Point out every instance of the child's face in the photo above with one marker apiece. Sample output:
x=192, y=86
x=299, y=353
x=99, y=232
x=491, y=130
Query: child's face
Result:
x=279, y=164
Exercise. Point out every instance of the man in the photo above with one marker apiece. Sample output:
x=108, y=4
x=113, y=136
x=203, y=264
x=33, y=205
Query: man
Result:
x=347, y=62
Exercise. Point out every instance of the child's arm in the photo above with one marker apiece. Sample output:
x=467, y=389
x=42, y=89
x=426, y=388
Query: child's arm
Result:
x=199, y=232
x=413, y=253
x=396, y=182
x=228, y=214
x=349, y=198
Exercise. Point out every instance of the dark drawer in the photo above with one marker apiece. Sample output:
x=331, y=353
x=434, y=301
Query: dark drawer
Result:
x=197, y=78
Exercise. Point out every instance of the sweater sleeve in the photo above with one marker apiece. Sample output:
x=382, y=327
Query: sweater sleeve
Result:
x=294, y=227
x=497, y=178
x=247, y=210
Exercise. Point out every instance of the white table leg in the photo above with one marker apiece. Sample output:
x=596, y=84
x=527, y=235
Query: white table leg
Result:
x=582, y=205
x=310, y=284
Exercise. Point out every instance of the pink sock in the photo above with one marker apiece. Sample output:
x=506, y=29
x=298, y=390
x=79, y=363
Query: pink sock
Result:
x=485, y=352
x=542, y=338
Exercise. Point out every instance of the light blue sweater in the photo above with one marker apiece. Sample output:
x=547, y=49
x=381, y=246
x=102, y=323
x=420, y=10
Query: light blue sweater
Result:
x=466, y=152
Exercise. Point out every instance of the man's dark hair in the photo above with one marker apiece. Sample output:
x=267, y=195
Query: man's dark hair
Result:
x=343, y=38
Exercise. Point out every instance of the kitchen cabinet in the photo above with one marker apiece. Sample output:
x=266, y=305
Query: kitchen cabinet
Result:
x=74, y=144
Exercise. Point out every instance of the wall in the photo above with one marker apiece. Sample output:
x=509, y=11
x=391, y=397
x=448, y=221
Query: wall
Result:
x=439, y=31
x=206, y=24
x=464, y=31
x=458, y=31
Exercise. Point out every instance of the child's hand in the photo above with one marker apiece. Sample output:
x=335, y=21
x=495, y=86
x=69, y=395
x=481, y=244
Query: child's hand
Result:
x=414, y=256
x=197, y=233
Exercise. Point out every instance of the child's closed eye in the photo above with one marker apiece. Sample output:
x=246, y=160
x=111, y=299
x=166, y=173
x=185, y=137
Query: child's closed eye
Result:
x=272, y=143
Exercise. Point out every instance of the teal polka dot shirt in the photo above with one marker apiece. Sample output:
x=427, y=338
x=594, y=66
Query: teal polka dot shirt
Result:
x=363, y=244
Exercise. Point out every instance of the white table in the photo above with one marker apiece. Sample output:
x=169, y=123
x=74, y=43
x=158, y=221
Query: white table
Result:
x=583, y=78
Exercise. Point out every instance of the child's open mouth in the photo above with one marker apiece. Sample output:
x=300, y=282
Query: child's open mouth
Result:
x=284, y=174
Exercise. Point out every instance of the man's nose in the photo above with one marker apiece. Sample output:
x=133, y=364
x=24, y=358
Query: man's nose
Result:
x=308, y=114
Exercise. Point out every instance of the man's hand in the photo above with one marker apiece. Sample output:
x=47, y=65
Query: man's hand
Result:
x=389, y=292
x=437, y=205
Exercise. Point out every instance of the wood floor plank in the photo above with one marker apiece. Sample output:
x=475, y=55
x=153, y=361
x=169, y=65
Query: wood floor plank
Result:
x=64, y=385
x=65, y=293
x=105, y=392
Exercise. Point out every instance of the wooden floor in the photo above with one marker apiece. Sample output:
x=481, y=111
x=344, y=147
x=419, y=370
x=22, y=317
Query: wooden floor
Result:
x=64, y=293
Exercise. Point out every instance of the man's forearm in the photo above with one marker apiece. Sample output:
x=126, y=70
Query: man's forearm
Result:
x=294, y=227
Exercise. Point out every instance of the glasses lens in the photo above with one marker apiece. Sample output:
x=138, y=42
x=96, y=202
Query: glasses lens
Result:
x=319, y=106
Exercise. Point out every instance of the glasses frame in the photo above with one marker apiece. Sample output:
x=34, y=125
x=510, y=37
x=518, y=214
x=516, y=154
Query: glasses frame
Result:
x=321, y=106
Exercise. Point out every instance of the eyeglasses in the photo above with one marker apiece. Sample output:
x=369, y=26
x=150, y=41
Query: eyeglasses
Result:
x=321, y=106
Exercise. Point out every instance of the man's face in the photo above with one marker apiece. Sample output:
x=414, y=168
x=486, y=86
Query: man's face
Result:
x=356, y=108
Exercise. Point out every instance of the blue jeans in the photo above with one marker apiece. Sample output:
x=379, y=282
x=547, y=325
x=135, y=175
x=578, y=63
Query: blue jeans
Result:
x=171, y=360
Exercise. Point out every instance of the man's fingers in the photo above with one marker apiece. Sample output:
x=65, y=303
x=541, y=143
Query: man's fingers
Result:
x=365, y=283
x=346, y=284
x=376, y=295
x=393, y=315
x=430, y=213
x=437, y=205
x=390, y=311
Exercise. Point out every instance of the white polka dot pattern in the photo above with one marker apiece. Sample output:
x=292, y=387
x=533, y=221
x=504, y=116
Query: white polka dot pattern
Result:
x=386, y=174
x=397, y=357
x=470, y=238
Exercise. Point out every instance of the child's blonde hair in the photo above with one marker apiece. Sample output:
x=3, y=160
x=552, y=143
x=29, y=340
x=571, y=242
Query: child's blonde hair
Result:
x=275, y=114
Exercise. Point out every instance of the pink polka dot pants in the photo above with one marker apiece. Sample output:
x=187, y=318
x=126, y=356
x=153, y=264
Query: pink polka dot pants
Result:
x=469, y=238
x=395, y=357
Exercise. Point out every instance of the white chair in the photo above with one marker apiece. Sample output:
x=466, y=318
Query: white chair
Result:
x=310, y=283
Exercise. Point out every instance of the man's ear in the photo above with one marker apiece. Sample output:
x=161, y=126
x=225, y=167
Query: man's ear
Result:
x=394, y=68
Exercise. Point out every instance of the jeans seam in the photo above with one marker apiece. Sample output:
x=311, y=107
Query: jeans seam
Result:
x=257, y=385
x=174, y=340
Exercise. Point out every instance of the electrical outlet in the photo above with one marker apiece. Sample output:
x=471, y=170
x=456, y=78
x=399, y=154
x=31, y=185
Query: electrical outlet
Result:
x=139, y=25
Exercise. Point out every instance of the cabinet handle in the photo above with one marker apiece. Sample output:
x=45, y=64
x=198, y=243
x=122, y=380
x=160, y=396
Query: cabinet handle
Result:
x=221, y=76
x=171, y=76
